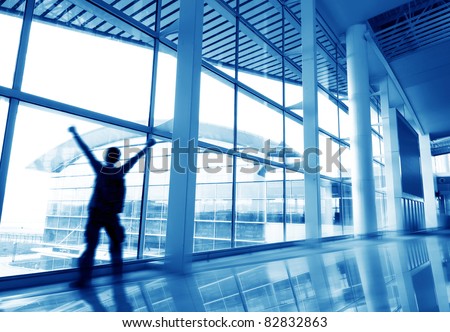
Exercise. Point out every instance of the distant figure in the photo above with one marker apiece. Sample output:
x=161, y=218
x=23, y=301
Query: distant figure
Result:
x=104, y=207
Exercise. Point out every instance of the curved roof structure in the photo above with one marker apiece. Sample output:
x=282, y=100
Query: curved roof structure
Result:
x=65, y=154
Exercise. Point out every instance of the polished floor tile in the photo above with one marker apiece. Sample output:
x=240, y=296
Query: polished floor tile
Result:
x=406, y=273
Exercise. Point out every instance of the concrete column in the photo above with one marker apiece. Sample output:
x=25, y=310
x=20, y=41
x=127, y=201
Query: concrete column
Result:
x=363, y=186
x=310, y=121
x=429, y=189
x=394, y=189
x=180, y=223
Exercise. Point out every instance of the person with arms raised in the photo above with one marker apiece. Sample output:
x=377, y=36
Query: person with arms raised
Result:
x=105, y=205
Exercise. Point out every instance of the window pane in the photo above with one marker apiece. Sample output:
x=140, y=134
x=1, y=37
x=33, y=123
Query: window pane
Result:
x=330, y=157
x=328, y=114
x=376, y=147
x=295, y=206
x=326, y=68
x=259, y=69
x=379, y=178
x=346, y=163
x=166, y=74
x=380, y=203
x=49, y=186
x=260, y=127
x=213, y=202
x=216, y=110
x=330, y=193
x=342, y=78
x=108, y=72
x=259, y=204
x=294, y=97
x=3, y=115
x=344, y=125
x=158, y=198
x=374, y=119
x=294, y=143
x=346, y=209
x=10, y=26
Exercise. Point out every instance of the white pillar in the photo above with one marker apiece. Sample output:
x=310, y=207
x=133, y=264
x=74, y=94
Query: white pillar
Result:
x=394, y=191
x=363, y=187
x=180, y=223
x=310, y=121
x=429, y=189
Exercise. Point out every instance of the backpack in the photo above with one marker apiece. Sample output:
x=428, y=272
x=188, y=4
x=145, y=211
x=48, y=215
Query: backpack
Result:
x=110, y=191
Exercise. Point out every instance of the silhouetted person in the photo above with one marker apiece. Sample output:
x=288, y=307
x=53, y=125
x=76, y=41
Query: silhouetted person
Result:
x=104, y=207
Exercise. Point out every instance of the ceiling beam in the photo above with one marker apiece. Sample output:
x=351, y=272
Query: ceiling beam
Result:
x=408, y=107
x=296, y=24
x=245, y=27
x=117, y=18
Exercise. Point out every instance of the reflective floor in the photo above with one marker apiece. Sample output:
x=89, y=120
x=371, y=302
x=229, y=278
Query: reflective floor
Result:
x=407, y=273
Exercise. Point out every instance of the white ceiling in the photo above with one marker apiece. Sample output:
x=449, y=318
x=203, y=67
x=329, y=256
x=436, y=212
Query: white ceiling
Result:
x=422, y=72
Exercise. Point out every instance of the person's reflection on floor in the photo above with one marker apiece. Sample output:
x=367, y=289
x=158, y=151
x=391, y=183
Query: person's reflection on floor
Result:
x=90, y=296
x=120, y=298
x=116, y=293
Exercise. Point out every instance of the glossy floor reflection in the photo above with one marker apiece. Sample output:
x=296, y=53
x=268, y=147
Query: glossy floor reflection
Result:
x=408, y=273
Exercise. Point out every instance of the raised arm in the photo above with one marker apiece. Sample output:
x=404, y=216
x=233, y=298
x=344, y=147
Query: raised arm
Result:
x=130, y=163
x=96, y=165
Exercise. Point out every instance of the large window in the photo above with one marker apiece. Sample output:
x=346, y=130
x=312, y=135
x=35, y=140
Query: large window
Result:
x=213, y=202
x=259, y=127
x=295, y=206
x=294, y=143
x=216, y=110
x=49, y=186
x=157, y=201
x=104, y=73
x=166, y=74
x=259, y=204
x=328, y=114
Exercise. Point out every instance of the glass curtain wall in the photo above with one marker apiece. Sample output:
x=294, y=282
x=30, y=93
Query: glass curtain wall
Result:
x=250, y=120
x=79, y=67
x=334, y=133
x=112, y=73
